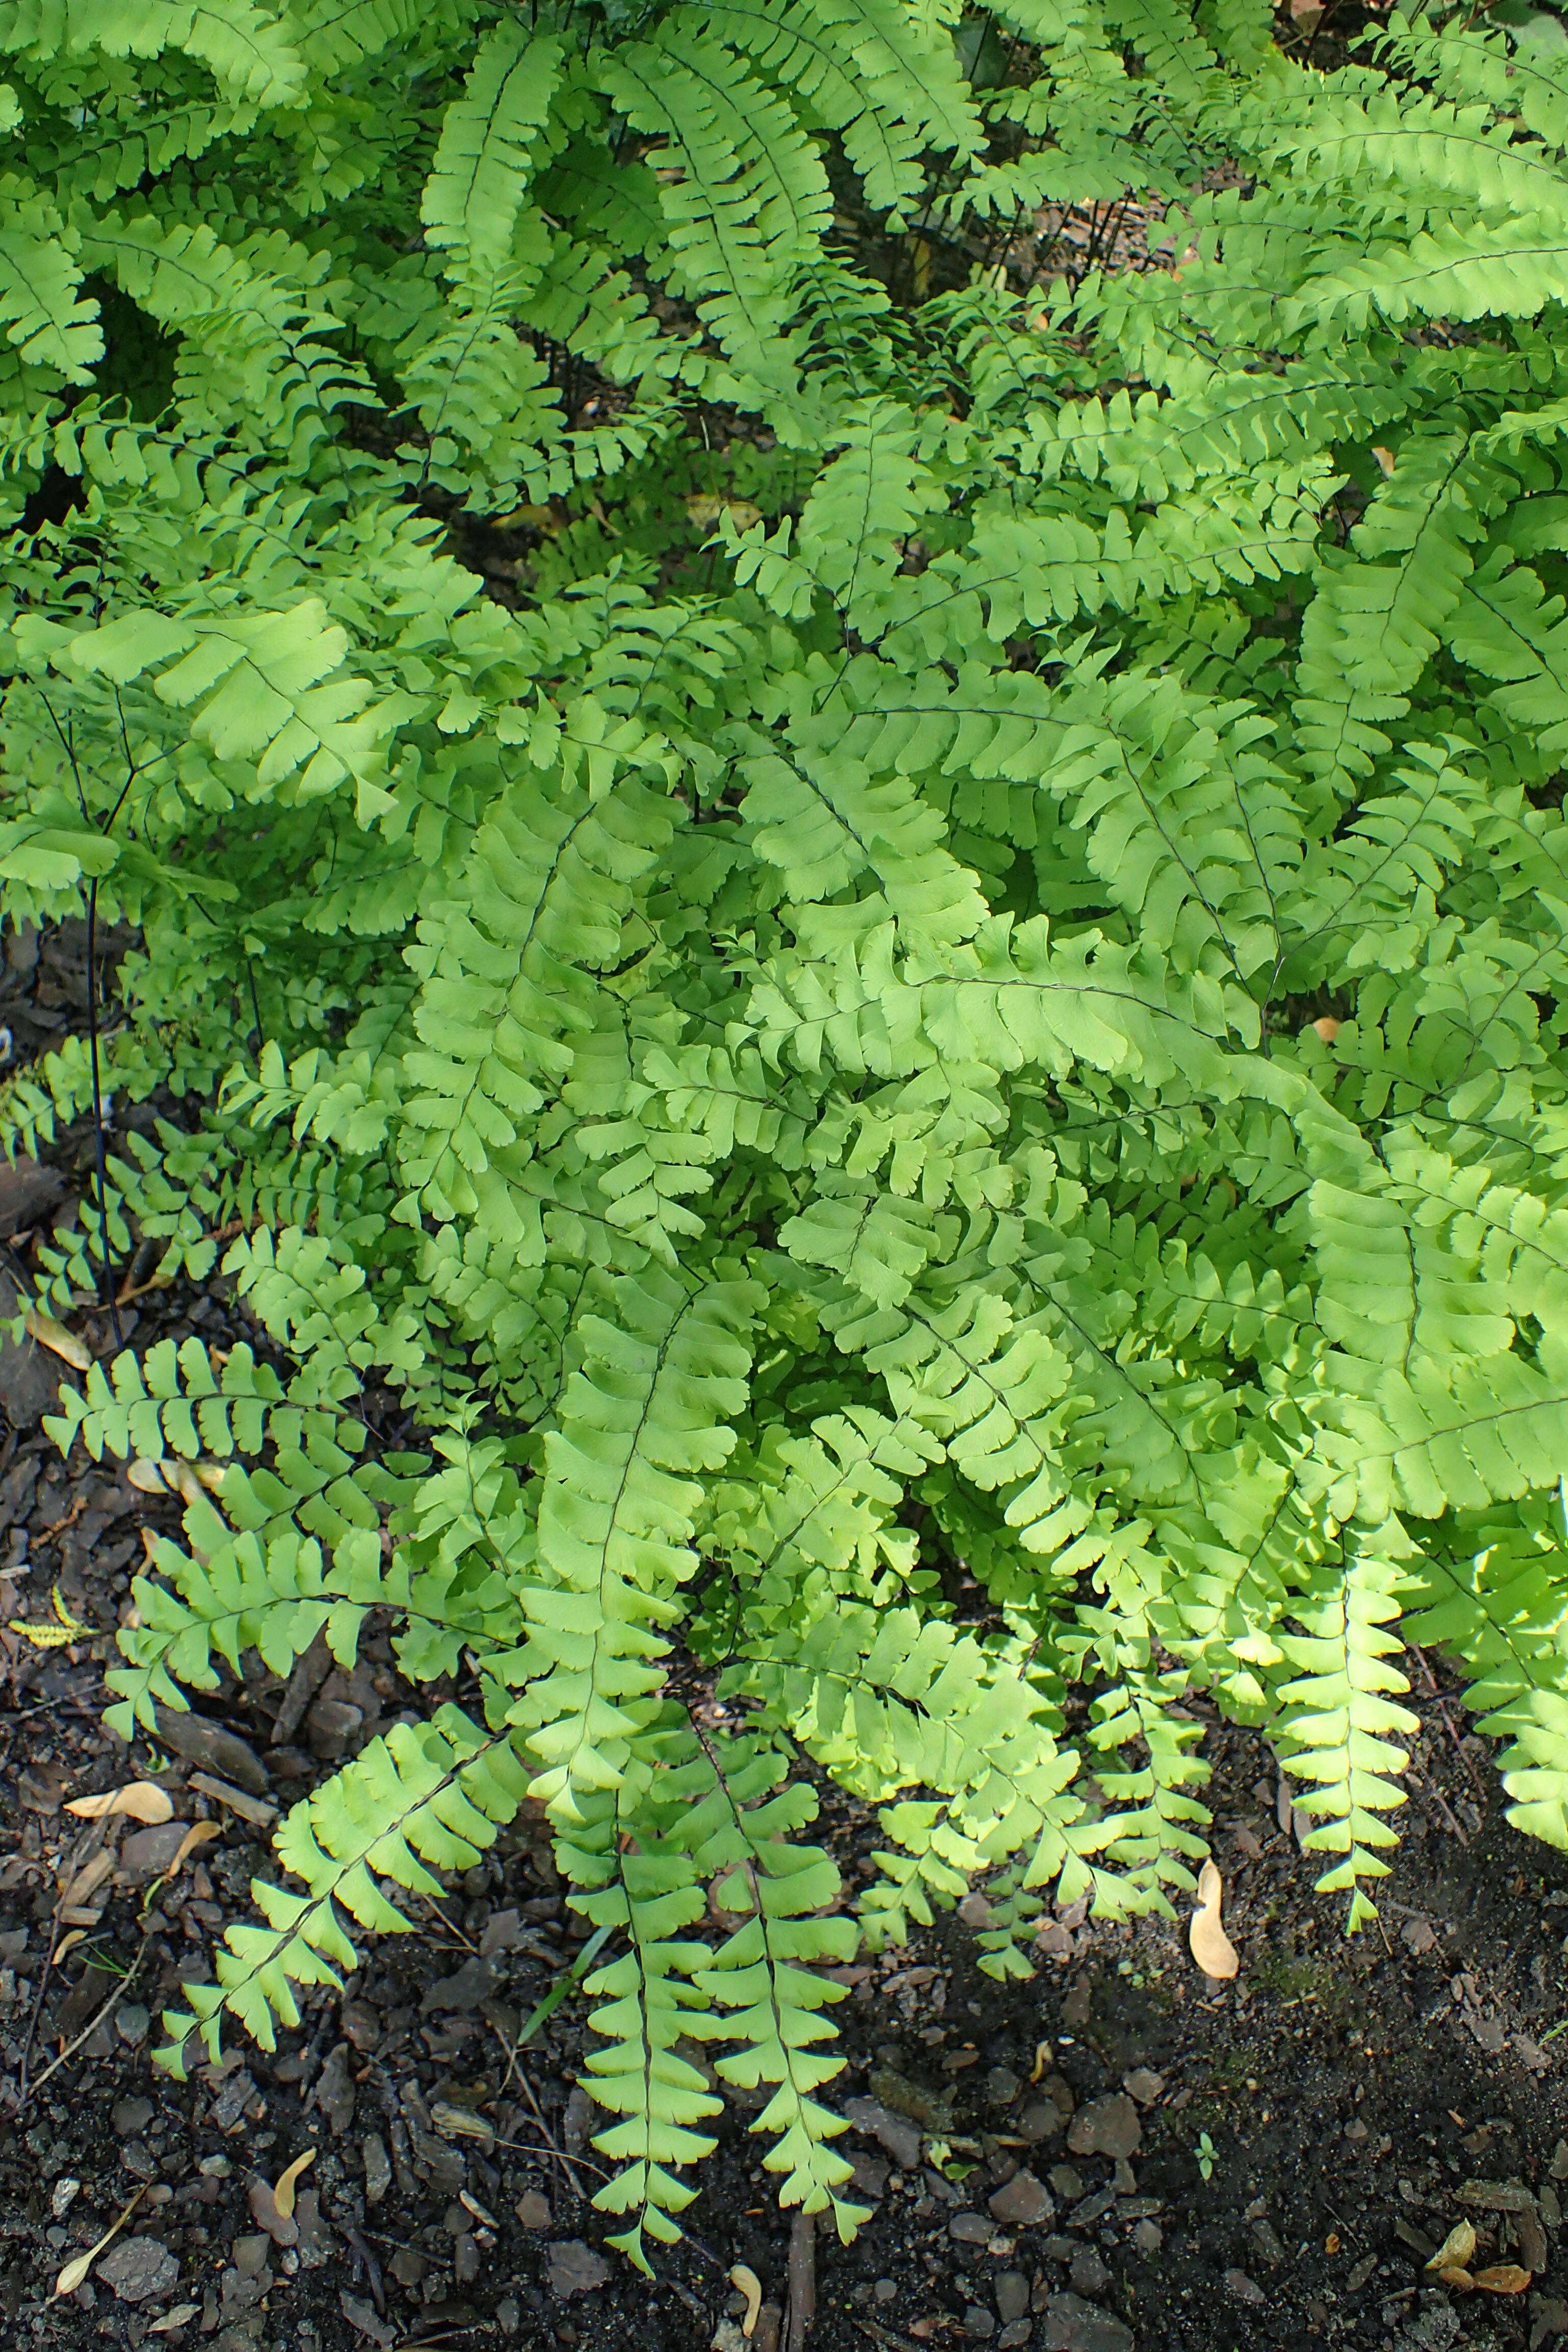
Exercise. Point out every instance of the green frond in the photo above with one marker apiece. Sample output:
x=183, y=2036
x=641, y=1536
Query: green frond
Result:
x=820, y=750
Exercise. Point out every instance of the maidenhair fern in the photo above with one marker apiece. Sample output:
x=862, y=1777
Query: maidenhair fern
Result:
x=882, y=915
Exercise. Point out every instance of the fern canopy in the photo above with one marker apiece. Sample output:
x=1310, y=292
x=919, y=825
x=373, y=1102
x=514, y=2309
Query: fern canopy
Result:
x=886, y=921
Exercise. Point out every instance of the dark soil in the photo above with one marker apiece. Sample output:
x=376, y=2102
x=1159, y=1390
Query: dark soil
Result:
x=1297, y=2143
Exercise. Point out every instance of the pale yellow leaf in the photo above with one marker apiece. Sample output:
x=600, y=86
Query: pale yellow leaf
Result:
x=283, y=2195
x=75, y=2270
x=1210, y=1946
x=199, y=1833
x=59, y=1340
x=1456, y=2250
x=1384, y=460
x=748, y=2283
x=142, y=1799
x=146, y=1476
x=1503, y=2278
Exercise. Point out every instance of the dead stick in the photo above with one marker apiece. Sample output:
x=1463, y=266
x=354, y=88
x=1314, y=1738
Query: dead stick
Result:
x=555, y=2148
x=802, y=2280
x=107, y=2011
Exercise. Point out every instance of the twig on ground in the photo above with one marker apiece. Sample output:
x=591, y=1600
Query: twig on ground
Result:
x=1465, y=1759
x=371, y=2267
x=464, y=1940
x=802, y=2306
x=86, y=1847
x=107, y=2011
x=527, y=2147
x=556, y=2150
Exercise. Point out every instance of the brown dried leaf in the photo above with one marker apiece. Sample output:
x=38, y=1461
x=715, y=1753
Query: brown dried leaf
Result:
x=1384, y=459
x=1503, y=2278
x=748, y=2283
x=1456, y=2250
x=283, y=2195
x=1327, y=1027
x=142, y=1799
x=59, y=1340
x=1042, y=2059
x=146, y=1476
x=1210, y=1946
x=1460, y=2280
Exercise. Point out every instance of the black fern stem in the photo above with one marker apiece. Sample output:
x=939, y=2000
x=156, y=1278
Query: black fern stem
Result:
x=106, y=1280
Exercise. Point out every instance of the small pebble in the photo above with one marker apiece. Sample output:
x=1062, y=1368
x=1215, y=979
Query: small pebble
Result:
x=377, y=2168
x=1066, y=2181
x=509, y=2318
x=1022, y=2201
x=884, y=2290
x=1017, y=2331
x=249, y=2255
x=1012, y=2295
x=978, y=2322
x=131, y=2022
x=1245, y=2290
x=138, y=2268
x=1110, y=2127
x=969, y=2230
x=574, y=2268
x=1148, y=2237
x=129, y=2116
x=533, y=2211
x=466, y=2259
x=1088, y=2273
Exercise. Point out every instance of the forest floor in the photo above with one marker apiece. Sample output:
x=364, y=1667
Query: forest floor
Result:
x=1149, y=2159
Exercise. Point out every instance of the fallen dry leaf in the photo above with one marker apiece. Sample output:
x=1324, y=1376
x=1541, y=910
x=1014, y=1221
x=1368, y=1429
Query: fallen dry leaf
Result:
x=142, y=1799
x=1459, y=2280
x=59, y=1340
x=1210, y=1946
x=75, y=2270
x=704, y=510
x=748, y=2283
x=199, y=1833
x=1042, y=2059
x=189, y=1480
x=1503, y=2278
x=283, y=2195
x=1456, y=2250
x=1384, y=460
x=1327, y=1027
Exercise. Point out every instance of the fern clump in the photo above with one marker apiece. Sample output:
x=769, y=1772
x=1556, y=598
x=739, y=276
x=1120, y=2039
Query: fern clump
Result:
x=847, y=908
